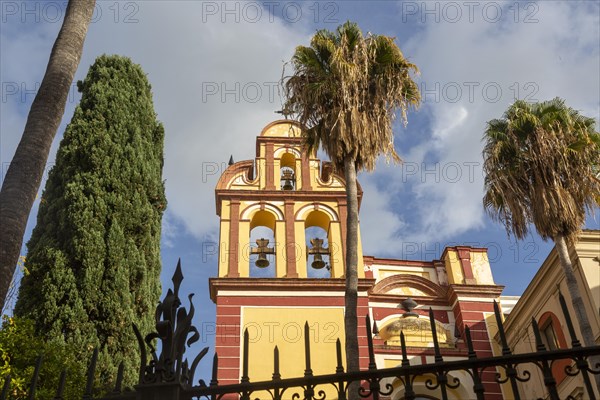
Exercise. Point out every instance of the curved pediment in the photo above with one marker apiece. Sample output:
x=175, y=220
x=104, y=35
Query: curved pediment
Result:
x=240, y=173
x=408, y=285
x=283, y=128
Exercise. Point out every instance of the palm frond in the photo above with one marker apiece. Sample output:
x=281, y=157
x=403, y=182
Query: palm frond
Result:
x=347, y=88
x=539, y=161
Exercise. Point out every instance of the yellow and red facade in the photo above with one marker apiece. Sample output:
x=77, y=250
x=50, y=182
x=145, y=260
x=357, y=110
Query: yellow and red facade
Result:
x=459, y=287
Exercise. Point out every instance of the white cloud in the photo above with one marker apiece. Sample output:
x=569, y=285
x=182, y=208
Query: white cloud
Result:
x=379, y=225
x=556, y=56
x=213, y=83
x=192, y=58
x=214, y=89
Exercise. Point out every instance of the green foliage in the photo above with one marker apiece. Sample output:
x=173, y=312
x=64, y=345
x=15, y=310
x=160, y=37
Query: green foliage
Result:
x=94, y=255
x=540, y=161
x=346, y=89
x=19, y=350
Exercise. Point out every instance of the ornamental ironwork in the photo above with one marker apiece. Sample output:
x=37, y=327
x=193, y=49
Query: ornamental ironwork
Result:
x=167, y=376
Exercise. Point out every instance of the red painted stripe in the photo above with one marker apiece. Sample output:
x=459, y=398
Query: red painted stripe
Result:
x=307, y=301
x=475, y=306
x=472, y=316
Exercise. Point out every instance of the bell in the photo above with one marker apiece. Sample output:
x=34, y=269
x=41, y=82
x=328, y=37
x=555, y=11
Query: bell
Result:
x=318, y=251
x=262, y=250
x=318, y=262
x=262, y=261
x=288, y=179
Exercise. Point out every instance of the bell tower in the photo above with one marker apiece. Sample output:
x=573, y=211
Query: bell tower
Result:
x=281, y=256
x=289, y=194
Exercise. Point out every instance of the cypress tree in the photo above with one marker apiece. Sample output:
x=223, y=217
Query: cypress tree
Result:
x=93, y=259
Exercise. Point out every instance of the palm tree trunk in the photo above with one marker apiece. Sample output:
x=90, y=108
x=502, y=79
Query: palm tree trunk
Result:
x=351, y=295
x=25, y=172
x=584, y=324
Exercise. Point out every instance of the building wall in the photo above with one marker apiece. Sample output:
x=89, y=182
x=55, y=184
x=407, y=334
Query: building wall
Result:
x=454, y=305
x=541, y=302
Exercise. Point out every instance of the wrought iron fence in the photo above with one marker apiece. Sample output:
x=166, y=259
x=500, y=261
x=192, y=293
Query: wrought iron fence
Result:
x=168, y=376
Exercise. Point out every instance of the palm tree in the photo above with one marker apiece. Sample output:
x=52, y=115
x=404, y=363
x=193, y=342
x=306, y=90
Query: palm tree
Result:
x=24, y=174
x=539, y=161
x=346, y=89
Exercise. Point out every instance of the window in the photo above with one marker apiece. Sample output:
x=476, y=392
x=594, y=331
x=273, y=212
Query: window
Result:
x=549, y=336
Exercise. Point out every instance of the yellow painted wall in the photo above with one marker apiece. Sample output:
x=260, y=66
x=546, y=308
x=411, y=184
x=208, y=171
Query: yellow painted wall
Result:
x=298, y=171
x=284, y=327
x=280, y=249
x=262, y=169
x=277, y=172
x=480, y=264
x=455, y=274
x=244, y=248
x=223, y=248
x=361, y=263
x=336, y=258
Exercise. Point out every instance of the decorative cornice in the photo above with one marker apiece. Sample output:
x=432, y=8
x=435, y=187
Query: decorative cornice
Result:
x=395, y=298
x=277, y=195
x=371, y=260
x=284, y=284
x=419, y=351
x=457, y=248
x=490, y=291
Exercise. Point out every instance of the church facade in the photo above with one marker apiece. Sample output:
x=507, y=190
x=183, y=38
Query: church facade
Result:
x=281, y=266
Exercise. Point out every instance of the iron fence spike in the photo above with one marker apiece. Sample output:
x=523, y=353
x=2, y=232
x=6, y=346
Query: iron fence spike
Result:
x=5, y=387
x=215, y=369
x=308, y=370
x=563, y=305
x=90, y=376
x=61, y=385
x=471, y=353
x=34, y=378
x=338, y=353
x=119, y=383
x=245, y=378
x=276, y=374
x=505, y=348
x=538, y=337
x=372, y=364
x=436, y=346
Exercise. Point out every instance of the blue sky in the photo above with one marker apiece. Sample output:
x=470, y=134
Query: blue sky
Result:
x=214, y=65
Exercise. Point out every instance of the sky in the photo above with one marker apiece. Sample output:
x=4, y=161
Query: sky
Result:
x=214, y=68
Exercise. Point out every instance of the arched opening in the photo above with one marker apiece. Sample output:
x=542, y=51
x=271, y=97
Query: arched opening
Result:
x=288, y=171
x=318, y=250
x=553, y=338
x=262, y=245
